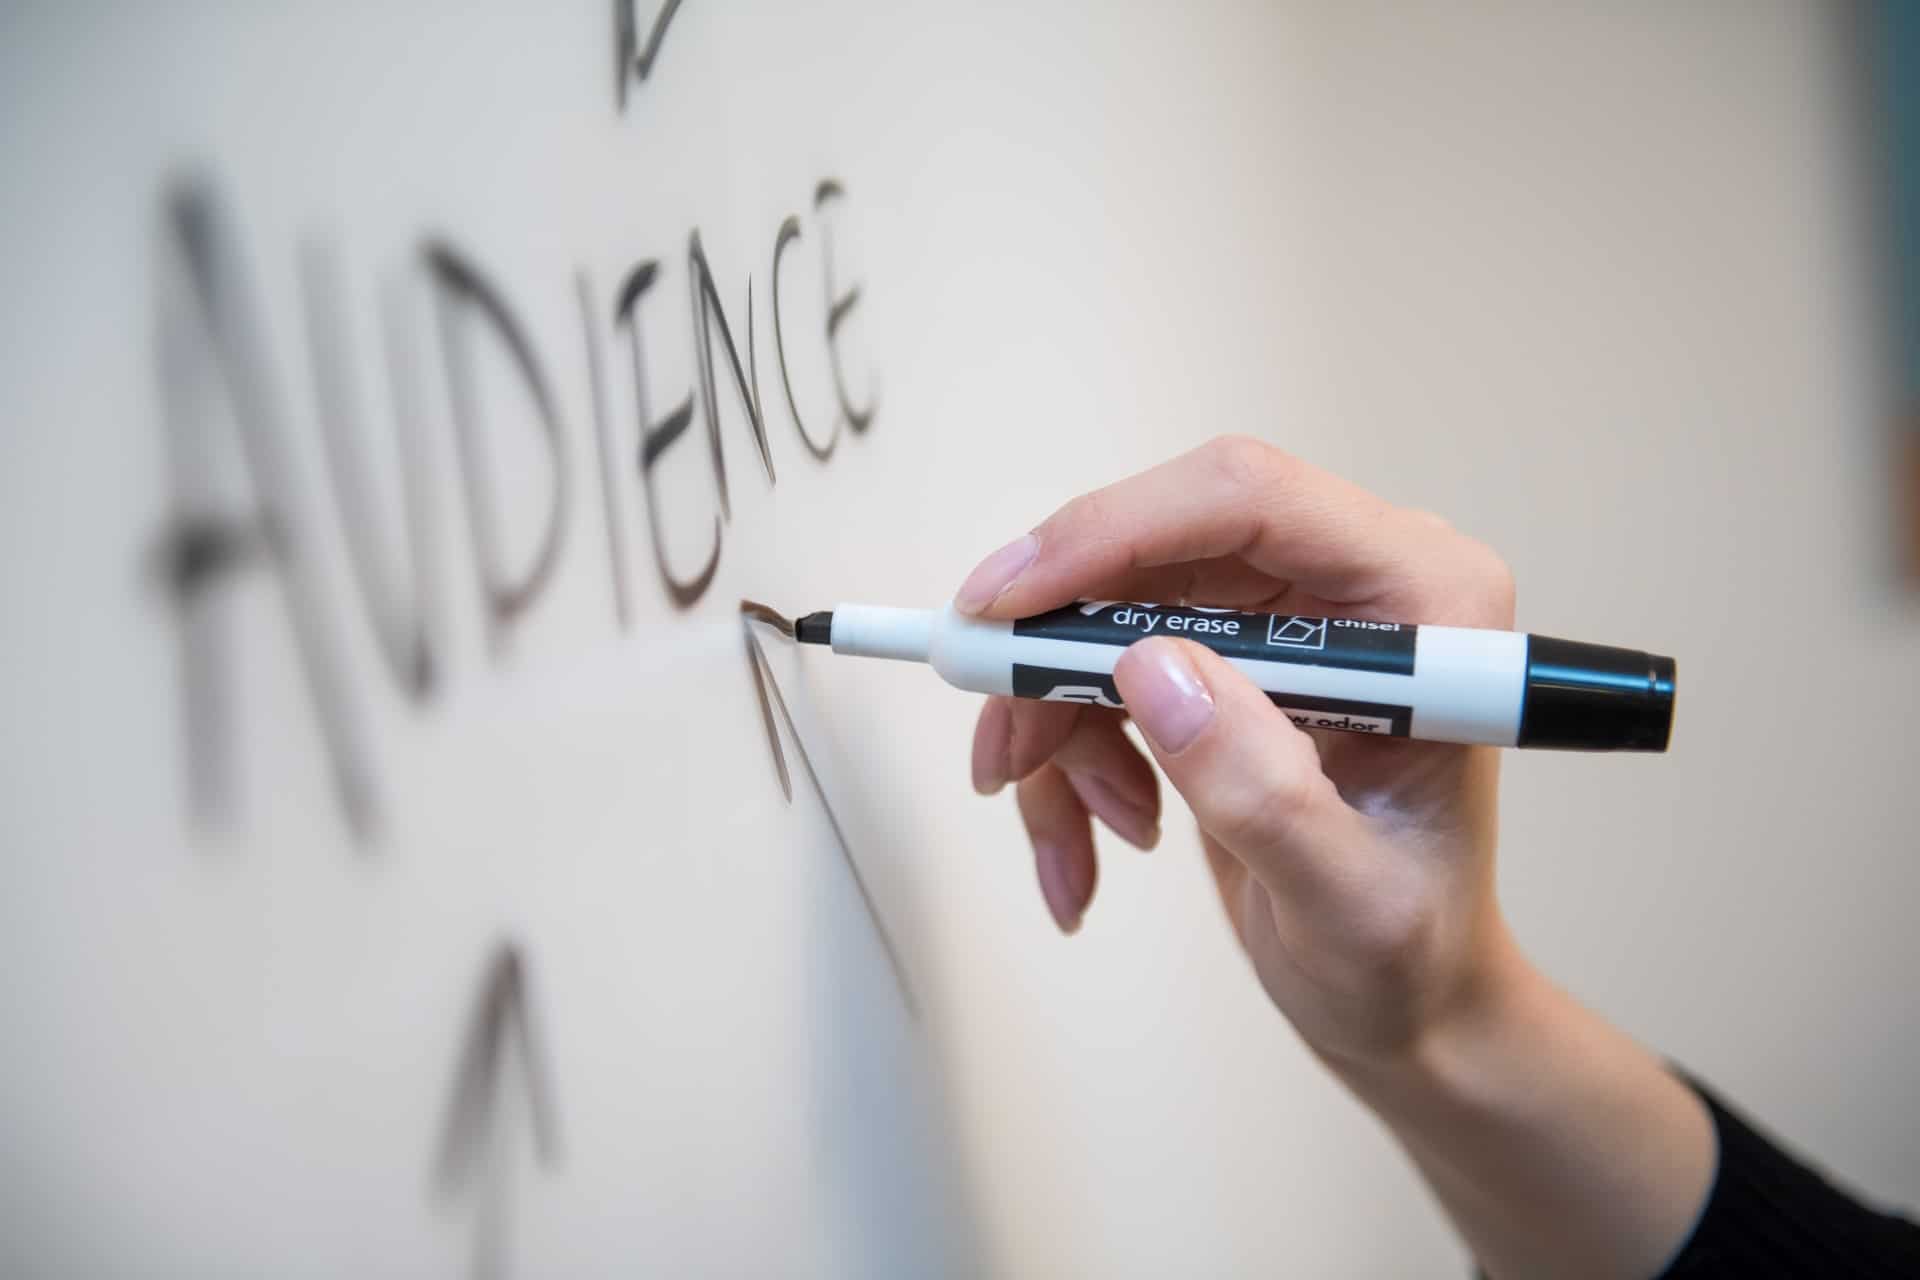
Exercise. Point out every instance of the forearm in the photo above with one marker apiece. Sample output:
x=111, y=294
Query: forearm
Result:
x=1557, y=1145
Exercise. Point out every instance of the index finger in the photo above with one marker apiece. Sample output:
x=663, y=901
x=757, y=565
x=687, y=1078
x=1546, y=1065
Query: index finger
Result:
x=1232, y=497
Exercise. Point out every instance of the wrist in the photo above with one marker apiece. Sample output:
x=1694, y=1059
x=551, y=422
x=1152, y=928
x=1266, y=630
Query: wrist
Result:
x=1482, y=1025
x=1547, y=1134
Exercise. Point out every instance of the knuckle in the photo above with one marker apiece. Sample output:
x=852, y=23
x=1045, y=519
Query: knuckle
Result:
x=1391, y=937
x=1244, y=462
x=1476, y=581
x=1495, y=582
x=1086, y=515
x=1258, y=810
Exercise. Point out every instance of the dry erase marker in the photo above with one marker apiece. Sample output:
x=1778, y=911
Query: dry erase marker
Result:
x=1393, y=679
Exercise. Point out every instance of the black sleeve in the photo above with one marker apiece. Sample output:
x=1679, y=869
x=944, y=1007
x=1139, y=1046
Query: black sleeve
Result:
x=1770, y=1215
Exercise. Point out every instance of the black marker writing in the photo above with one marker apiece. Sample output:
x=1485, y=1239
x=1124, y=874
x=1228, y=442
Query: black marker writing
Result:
x=839, y=307
x=604, y=450
x=656, y=438
x=213, y=367
x=210, y=332
x=400, y=626
x=630, y=60
x=767, y=690
x=707, y=312
x=465, y=295
x=790, y=232
x=470, y=1148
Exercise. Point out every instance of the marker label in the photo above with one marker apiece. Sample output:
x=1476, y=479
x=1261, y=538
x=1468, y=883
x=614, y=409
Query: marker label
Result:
x=1349, y=643
x=1382, y=718
x=1057, y=684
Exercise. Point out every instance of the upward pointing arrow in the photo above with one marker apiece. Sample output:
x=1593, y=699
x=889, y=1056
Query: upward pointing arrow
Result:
x=471, y=1148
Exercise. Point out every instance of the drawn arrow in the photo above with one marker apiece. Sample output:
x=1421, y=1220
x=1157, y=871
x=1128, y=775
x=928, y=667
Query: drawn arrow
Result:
x=626, y=39
x=470, y=1146
x=768, y=690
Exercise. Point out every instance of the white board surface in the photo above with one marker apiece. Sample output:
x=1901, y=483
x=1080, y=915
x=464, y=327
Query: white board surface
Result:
x=313, y=360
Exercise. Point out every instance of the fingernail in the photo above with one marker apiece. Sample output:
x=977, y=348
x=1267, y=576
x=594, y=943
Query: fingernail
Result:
x=1167, y=699
x=1131, y=820
x=990, y=775
x=1054, y=888
x=992, y=576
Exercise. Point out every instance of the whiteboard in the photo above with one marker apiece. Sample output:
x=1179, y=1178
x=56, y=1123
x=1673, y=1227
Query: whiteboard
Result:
x=401, y=875
x=455, y=906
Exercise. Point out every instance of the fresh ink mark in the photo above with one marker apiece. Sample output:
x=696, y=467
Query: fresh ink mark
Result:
x=768, y=615
x=768, y=691
x=756, y=661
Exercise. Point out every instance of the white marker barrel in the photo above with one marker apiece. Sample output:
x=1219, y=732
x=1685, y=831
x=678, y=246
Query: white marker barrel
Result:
x=1442, y=684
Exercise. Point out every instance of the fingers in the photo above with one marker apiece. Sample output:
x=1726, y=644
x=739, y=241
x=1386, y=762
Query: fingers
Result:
x=1252, y=779
x=1112, y=779
x=1231, y=497
x=1223, y=581
x=992, y=734
x=1040, y=729
x=1071, y=761
x=1236, y=498
x=1015, y=737
x=1056, y=821
x=1230, y=878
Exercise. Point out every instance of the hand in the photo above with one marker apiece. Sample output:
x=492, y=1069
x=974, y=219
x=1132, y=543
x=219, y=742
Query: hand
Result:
x=1358, y=873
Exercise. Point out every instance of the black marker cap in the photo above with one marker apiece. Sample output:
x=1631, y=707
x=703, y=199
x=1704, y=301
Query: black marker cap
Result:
x=1589, y=697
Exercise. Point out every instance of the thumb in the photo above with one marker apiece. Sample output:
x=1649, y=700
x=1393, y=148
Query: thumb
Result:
x=1252, y=779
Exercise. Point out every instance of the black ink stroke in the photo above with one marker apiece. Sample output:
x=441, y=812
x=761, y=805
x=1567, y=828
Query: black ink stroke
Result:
x=400, y=627
x=630, y=59
x=767, y=614
x=209, y=331
x=603, y=442
x=460, y=287
x=470, y=1149
x=767, y=689
x=838, y=308
x=655, y=439
x=790, y=232
x=746, y=382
